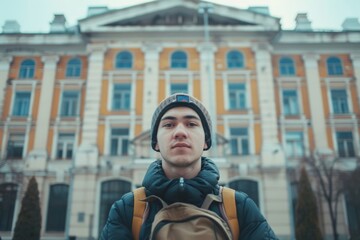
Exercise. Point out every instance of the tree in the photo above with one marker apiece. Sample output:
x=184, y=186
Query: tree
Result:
x=307, y=220
x=28, y=224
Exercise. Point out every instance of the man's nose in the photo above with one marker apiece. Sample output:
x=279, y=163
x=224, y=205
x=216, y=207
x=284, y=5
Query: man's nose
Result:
x=180, y=131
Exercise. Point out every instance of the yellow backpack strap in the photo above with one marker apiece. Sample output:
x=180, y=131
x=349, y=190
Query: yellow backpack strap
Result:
x=229, y=202
x=139, y=209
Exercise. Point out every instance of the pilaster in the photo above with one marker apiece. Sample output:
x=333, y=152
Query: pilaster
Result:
x=38, y=157
x=87, y=154
x=271, y=152
x=355, y=57
x=5, y=62
x=151, y=82
x=316, y=100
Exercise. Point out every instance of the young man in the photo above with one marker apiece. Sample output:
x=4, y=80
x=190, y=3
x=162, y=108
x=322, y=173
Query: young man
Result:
x=181, y=131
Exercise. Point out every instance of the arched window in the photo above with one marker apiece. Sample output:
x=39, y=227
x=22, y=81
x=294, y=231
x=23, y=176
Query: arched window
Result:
x=249, y=187
x=178, y=59
x=286, y=67
x=57, y=208
x=73, y=68
x=124, y=60
x=8, y=193
x=334, y=66
x=27, y=69
x=110, y=192
x=235, y=59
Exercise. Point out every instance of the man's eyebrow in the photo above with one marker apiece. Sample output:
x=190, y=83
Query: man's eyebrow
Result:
x=185, y=117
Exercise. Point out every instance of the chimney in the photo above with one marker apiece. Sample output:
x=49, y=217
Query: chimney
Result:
x=260, y=9
x=302, y=22
x=96, y=10
x=58, y=24
x=11, y=26
x=351, y=24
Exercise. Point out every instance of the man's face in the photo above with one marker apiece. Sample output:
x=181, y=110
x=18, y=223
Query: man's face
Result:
x=180, y=137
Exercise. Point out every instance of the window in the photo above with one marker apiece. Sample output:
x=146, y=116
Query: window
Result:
x=119, y=141
x=237, y=96
x=8, y=192
x=294, y=144
x=249, y=187
x=57, y=208
x=110, y=192
x=73, y=68
x=21, y=104
x=294, y=199
x=121, y=97
x=235, y=59
x=353, y=213
x=124, y=60
x=334, y=66
x=65, y=145
x=339, y=101
x=286, y=67
x=15, y=146
x=70, y=104
x=290, y=102
x=27, y=69
x=178, y=88
x=239, y=141
x=179, y=60
x=345, y=144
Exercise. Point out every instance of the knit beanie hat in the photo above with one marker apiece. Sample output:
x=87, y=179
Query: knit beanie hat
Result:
x=181, y=100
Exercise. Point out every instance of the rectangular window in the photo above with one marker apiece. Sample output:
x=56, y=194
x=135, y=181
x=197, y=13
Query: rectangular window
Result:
x=345, y=144
x=294, y=144
x=237, y=96
x=239, y=141
x=178, y=88
x=65, y=146
x=21, y=104
x=15, y=146
x=339, y=101
x=119, y=141
x=70, y=103
x=121, y=97
x=290, y=102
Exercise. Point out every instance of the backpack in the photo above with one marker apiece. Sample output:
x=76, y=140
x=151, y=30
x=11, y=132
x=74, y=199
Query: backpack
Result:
x=186, y=221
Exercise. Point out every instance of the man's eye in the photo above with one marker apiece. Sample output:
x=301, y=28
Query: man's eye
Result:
x=192, y=124
x=167, y=125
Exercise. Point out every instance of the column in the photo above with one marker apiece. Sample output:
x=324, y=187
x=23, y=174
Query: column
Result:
x=208, y=86
x=355, y=57
x=151, y=83
x=317, y=104
x=87, y=154
x=5, y=62
x=37, y=157
x=271, y=151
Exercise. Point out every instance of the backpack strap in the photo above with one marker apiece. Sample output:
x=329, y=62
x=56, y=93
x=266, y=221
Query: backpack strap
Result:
x=229, y=204
x=139, y=209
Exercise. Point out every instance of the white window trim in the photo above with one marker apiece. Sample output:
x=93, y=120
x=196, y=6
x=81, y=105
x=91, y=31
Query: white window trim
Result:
x=17, y=86
x=57, y=131
x=356, y=140
x=339, y=83
x=243, y=76
x=179, y=76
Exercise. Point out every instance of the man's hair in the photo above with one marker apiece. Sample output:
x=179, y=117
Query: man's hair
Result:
x=181, y=100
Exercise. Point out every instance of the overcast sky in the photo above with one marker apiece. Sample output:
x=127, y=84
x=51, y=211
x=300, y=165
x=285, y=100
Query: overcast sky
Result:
x=35, y=15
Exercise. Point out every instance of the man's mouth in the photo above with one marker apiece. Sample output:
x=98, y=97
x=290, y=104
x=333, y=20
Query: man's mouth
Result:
x=181, y=145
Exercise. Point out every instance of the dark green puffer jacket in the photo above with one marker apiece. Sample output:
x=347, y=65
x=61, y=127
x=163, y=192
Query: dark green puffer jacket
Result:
x=253, y=225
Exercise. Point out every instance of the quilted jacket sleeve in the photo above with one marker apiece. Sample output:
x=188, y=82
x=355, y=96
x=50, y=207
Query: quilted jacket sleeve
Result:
x=253, y=225
x=118, y=226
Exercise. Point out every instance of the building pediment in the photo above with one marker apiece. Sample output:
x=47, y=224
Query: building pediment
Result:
x=175, y=13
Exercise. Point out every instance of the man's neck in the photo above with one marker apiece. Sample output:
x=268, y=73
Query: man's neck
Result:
x=187, y=172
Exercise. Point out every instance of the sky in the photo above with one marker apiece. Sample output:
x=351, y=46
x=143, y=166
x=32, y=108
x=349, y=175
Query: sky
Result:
x=35, y=15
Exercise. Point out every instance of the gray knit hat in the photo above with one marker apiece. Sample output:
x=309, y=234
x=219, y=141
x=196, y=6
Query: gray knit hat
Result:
x=178, y=100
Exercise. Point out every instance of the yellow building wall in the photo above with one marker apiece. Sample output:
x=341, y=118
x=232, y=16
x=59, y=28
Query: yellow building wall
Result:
x=346, y=63
x=197, y=89
x=220, y=104
x=139, y=97
x=35, y=106
x=7, y=103
x=162, y=90
x=31, y=140
x=61, y=66
x=257, y=137
x=104, y=98
x=101, y=139
x=50, y=140
x=138, y=129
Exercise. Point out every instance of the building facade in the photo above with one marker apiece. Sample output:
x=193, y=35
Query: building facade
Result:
x=76, y=105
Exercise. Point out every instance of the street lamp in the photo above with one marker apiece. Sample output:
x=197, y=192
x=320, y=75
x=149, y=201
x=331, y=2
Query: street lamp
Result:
x=204, y=9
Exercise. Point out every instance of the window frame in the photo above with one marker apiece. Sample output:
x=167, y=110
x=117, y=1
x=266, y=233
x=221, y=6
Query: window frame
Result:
x=293, y=110
x=26, y=70
x=179, y=63
x=125, y=97
x=232, y=63
x=14, y=109
x=240, y=93
x=295, y=144
x=239, y=138
x=122, y=62
x=66, y=139
x=334, y=66
x=77, y=107
x=74, y=70
x=172, y=90
x=122, y=139
x=337, y=106
x=57, y=208
x=288, y=67
x=20, y=139
x=346, y=145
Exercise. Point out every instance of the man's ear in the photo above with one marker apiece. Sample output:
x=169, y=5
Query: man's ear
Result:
x=205, y=146
x=157, y=147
